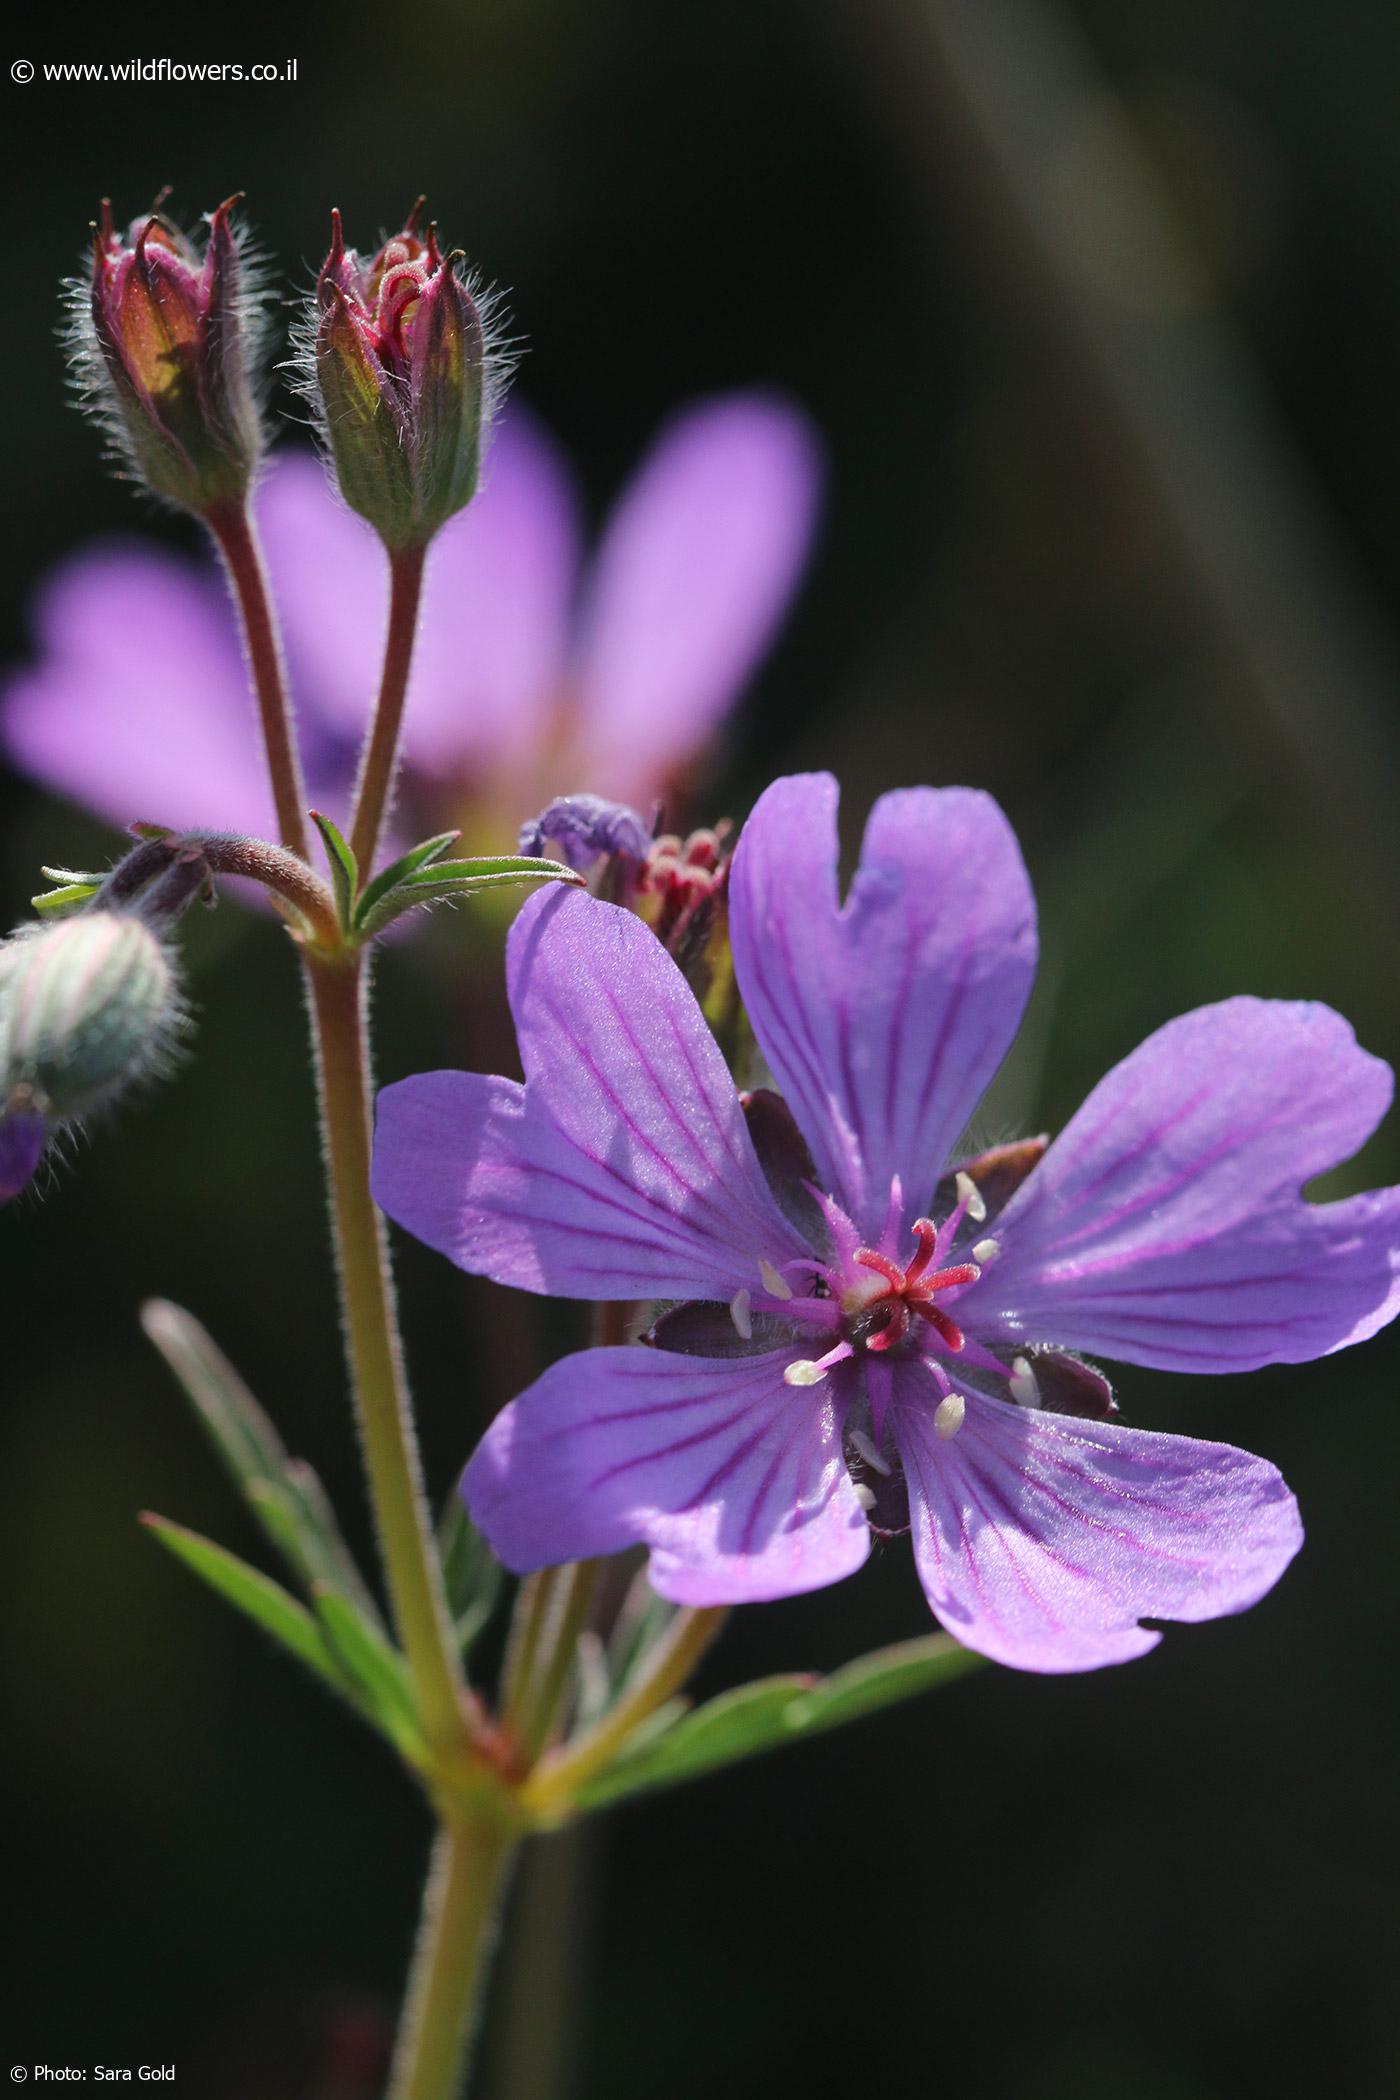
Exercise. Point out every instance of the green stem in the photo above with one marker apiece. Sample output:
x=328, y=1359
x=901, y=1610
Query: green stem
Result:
x=380, y=760
x=460, y=1908
x=376, y=1360
x=235, y=536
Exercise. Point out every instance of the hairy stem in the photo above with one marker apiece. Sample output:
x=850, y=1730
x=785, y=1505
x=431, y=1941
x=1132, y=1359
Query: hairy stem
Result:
x=376, y=1359
x=461, y=1905
x=379, y=762
x=236, y=538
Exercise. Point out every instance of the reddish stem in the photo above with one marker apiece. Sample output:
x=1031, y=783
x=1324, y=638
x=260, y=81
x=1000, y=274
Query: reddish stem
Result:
x=237, y=541
x=380, y=759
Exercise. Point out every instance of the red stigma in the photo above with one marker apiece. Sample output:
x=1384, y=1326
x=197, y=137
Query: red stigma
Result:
x=911, y=1290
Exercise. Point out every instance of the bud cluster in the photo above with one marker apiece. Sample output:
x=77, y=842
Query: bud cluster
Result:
x=161, y=339
x=403, y=380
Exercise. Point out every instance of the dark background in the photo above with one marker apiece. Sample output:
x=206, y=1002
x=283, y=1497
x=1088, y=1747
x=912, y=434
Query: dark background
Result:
x=1097, y=310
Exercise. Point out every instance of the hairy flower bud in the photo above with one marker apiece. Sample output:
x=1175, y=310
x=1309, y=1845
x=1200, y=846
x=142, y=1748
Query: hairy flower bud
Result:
x=403, y=381
x=161, y=341
x=88, y=1006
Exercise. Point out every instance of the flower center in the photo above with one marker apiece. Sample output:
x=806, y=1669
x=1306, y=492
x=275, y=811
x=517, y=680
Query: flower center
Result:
x=878, y=1310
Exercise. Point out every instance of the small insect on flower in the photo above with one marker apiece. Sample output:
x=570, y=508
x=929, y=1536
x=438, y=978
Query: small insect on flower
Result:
x=164, y=344
x=404, y=378
x=849, y=1354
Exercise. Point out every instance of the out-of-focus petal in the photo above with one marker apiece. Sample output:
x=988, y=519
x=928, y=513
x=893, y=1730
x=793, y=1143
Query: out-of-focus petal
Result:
x=623, y=1167
x=1165, y=1225
x=329, y=578
x=491, y=637
x=734, y=1480
x=1042, y=1540
x=884, y=1018
x=695, y=571
x=137, y=706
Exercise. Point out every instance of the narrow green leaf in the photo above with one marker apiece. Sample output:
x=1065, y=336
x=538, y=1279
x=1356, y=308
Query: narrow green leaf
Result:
x=85, y=876
x=432, y=884
x=71, y=897
x=734, y=1725
x=471, y=1572
x=373, y=1666
x=345, y=872
x=401, y=870
x=882, y=1679
x=284, y=1492
x=265, y=1602
x=778, y=1710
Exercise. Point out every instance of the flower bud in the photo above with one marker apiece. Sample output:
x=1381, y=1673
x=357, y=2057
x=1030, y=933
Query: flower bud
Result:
x=402, y=380
x=161, y=339
x=88, y=1005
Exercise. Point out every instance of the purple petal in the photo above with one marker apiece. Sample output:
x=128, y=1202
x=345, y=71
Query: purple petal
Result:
x=884, y=1018
x=1041, y=1541
x=137, y=706
x=491, y=639
x=584, y=829
x=695, y=571
x=1165, y=1225
x=22, y=1138
x=734, y=1480
x=623, y=1168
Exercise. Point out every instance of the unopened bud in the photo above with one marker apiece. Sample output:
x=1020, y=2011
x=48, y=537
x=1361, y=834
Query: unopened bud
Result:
x=584, y=829
x=403, y=381
x=161, y=340
x=88, y=1005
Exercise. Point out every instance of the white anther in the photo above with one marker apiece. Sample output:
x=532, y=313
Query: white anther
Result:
x=739, y=1314
x=986, y=1251
x=804, y=1372
x=869, y=1452
x=970, y=1197
x=865, y=1495
x=1024, y=1388
x=948, y=1415
x=776, y=1286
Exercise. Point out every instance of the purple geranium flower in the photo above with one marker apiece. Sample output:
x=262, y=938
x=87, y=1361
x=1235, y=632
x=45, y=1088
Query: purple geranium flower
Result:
x=530, y=676
x=869, y=1336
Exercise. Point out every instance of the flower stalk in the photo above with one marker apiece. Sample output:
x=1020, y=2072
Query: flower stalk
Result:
x=379, y=764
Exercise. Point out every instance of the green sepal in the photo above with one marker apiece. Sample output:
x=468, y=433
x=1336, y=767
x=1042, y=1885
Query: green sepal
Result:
x=776, y=1710
x=375, y=1669
x=458, y=878
x=256, y=1595
x=345, y=869
x=471, y=1573
x=284, y=1493
x=399, y=871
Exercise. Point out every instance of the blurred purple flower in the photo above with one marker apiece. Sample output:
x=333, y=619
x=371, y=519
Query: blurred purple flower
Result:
x=532, y=676
x=853, y=1362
